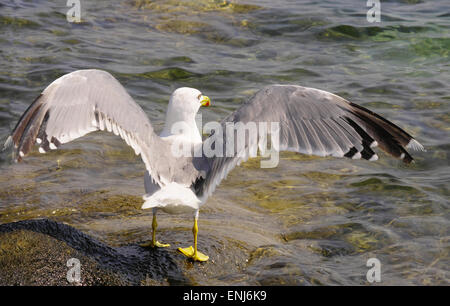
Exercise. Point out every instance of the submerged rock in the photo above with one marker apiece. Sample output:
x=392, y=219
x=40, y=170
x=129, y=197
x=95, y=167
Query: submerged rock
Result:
x=36, y=252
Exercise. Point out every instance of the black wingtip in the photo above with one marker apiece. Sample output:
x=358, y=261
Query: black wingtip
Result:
x=389, y=137
x=25, y=131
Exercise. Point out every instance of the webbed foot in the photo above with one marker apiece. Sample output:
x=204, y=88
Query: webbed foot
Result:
x=194, y=255
x=156, y=244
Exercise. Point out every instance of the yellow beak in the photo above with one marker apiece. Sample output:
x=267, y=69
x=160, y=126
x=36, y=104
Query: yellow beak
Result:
x=205, y=101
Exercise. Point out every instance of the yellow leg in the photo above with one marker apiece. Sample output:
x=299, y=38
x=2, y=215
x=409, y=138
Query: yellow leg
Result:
x=192, y=252
x=154, y=242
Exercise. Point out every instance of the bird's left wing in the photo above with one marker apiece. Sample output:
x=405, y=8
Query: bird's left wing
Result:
x=311, y=121
x=90, y=100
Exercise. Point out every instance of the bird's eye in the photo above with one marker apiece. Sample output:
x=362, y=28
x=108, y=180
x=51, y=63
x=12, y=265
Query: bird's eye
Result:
x=199, y=96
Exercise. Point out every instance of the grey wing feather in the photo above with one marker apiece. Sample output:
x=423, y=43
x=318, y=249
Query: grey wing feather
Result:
x=90, y=100
x=314, y=122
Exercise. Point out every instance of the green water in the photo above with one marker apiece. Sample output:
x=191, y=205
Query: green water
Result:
x=310, y=220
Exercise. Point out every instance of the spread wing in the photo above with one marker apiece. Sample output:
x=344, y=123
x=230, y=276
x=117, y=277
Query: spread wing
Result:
x=90, y=100
x=313, y=122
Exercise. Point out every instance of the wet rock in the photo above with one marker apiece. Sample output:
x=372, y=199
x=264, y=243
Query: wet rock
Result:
x=35, y=252
x=29, y=258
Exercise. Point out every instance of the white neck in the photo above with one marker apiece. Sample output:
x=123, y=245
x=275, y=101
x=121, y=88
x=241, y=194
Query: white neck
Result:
x=183, y=125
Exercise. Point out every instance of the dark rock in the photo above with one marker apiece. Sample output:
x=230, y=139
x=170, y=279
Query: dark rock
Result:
x=35, y=252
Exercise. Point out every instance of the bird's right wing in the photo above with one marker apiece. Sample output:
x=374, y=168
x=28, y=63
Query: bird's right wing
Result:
x=311, y=121
x=85, y=101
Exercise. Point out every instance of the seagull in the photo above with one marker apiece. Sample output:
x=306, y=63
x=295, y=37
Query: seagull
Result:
x=311, y=121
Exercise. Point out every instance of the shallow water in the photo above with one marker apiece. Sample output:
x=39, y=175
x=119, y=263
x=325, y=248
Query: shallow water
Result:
x=309, y=221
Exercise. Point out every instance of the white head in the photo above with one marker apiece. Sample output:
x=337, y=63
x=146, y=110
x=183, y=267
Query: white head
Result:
x=183, y=105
